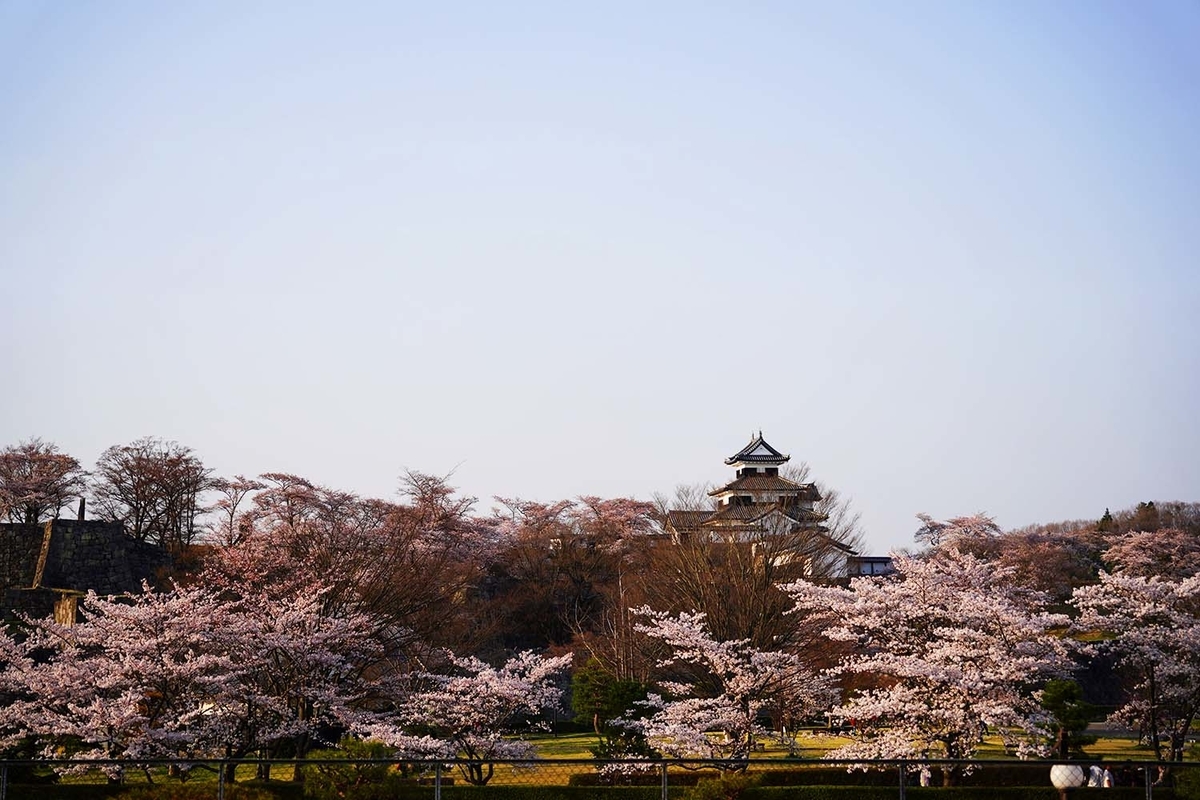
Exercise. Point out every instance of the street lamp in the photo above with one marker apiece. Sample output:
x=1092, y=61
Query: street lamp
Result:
x=1066, y=777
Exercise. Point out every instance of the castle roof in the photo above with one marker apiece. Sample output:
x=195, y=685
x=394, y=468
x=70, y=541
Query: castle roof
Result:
x=757, y=452
x=734, y=520
x=755, y=514
x=687, y=520
x=749, y=516
x=769, y=483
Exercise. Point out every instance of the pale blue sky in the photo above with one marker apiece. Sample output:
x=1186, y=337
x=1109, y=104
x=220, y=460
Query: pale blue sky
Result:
x=945, y=252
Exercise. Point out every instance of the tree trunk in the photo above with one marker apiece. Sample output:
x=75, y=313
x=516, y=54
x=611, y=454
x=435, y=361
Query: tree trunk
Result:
x=1154, y=717
x=230, y=765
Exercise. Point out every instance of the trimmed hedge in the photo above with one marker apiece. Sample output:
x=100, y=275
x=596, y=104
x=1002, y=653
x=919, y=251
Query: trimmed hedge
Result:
x=206, y=790
x=1032, y=774
x=284, y=791
x=942, y=793
x=1036, y=774
x=638, y=779
x=290, y=791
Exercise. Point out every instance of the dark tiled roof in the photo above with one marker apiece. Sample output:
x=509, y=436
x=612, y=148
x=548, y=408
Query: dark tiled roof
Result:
x=769, y=483
x=730, y=513
x=804, y=515
x=747, y=454
x=739, y=516
x=745, y=519
x=847, y=549
x=686, y=520
x=740, y=513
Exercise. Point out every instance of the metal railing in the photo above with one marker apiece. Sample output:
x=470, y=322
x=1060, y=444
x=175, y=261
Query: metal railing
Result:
x=429, y=778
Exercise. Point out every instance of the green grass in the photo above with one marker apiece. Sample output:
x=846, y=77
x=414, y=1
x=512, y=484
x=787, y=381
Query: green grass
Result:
x=811, y=745
x=568, y=745
x=245, y=772
x=816, y=745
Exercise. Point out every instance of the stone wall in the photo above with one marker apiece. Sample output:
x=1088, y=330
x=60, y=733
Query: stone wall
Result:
x=97, y=555
x=42, y=565
x=19, y=549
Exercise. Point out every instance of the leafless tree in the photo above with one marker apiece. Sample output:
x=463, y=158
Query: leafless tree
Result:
x=734, y=578
x=154, y=487
x=842, y=521
x=563, y=564
x=406, y=564
x=230, y=527
x=685, y=497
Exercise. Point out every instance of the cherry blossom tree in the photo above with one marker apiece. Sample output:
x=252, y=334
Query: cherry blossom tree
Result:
x=298, y=669
x=562, y=566
x=36, y=481
x=714, y=710
x=363, y=551
x=956, y=531
x=1050, y=562
x=131, y=681
x=475, y=709
x=190, y=672
x=733, y=577
x=1171, y=553
x=1155, y=628
x=950, y=648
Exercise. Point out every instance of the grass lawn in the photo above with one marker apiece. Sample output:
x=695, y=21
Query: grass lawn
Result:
x=564, y=745
x=809, y=745
x=816, y=744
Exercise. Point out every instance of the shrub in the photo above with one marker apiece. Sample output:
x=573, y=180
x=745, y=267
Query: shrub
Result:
x=409, y=791
x=353, y=779
x=159, y=791
x=943, y=793
x=727, y=786
x=634, y=779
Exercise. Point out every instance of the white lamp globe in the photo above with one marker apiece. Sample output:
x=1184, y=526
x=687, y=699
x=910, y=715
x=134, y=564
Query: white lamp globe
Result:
x=1067, y=776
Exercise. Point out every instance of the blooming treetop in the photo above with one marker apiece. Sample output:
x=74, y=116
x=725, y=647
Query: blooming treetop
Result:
x=362, y=551
x=130, y=681
x=188, y=672
x=300, y=667
x=605, y=521
x=733, y=685
x=1155, y=625
x=473, y=710
x=936, y=533
x=1166, y=552
x=952, y=646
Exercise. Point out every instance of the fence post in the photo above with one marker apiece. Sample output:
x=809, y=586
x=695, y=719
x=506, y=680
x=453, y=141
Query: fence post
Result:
x=664, y=780
x=437, y=781
x=1149, y=783
x=903, y=775
x=3, y=780
x=220, y=780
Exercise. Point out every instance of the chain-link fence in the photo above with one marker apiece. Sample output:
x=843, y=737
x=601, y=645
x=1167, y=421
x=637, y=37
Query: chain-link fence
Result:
x=586, y=779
